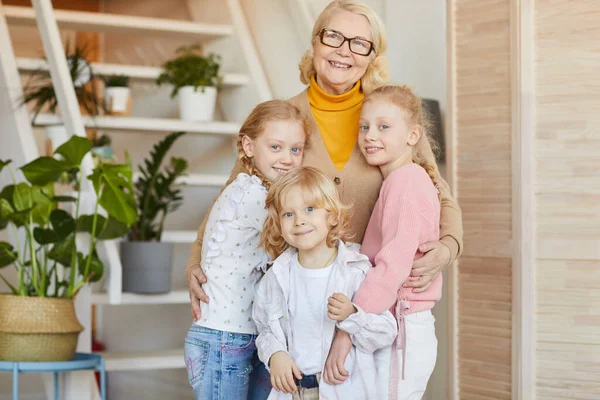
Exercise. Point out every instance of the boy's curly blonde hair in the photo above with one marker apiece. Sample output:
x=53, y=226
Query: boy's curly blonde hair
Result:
x=321, y=192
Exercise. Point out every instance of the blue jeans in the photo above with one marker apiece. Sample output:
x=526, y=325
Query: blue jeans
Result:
x=224, y=365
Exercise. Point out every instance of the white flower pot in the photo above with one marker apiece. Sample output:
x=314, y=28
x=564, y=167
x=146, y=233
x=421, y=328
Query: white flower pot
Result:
x=117, y=100
x=197, y=105
x=57, y=135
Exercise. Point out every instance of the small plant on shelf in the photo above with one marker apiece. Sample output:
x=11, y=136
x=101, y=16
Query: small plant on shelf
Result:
x=39, y=89
x=117, y=95
x=116, y=81
x=196, y=79
x=191, y=68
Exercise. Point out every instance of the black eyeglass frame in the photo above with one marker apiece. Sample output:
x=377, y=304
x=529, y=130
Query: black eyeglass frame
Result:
x=346, y=39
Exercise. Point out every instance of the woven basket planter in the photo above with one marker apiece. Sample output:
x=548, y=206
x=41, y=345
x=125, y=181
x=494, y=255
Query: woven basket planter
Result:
x=37, y=328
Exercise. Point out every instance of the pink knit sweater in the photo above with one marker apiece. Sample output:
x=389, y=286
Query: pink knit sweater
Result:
x=406, y=215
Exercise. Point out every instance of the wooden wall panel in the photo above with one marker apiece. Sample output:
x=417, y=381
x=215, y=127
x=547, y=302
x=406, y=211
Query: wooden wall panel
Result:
x=481, y=53
x=567, y=94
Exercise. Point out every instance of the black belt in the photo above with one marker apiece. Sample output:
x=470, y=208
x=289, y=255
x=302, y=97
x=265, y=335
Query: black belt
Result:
x=307, y=381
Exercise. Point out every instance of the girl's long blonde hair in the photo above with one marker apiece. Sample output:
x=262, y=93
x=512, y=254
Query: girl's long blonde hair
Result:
x=378, y=72
x=254, y=125
x=322, y=193
x=403, y=97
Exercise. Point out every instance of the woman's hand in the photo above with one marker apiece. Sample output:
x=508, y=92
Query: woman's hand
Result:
x=283, y=370
x=195, y=277
x=427, y=268
x=334, y=372
x=339, y=307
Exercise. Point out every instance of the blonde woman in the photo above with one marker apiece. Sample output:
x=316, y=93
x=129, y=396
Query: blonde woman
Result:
x=345, y=62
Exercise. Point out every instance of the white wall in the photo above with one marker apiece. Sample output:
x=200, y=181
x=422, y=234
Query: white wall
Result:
x=417, y=54
x=417, y=45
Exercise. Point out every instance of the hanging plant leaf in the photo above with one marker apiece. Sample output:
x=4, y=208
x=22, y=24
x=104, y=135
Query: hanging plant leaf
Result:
x=22, y=198
x=85, y=223
x=61, y=251
x=117, y=192
x=96, y=267
x=6, y=210
x=4, y=163
x=73, y=150
x=62, y=223
x=44, y=170
x=113, y=229
x=8, y=255
x=43, y=203
x=64, y=199
x=45, y=236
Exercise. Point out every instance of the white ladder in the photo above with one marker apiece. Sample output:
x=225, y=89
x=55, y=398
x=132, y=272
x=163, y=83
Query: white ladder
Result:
x=19, y=131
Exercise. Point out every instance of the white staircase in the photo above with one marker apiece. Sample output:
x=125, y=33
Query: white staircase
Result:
x=19, y=131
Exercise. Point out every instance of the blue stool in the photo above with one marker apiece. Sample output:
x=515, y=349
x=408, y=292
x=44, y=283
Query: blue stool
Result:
x=81, y=361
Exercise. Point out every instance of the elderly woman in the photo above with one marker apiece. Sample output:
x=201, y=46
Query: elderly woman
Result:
x=345, y=62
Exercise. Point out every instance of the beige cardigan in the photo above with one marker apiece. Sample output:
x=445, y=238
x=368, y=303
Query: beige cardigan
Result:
x=359, y=185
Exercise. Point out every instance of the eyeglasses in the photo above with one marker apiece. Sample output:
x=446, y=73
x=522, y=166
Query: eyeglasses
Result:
x=357, y=45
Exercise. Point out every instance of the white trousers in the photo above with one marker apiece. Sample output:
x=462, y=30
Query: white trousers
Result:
x=421, y=355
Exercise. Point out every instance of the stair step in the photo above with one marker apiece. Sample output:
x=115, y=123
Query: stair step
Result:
x=185, y=237
x=147, y=124
x=198, y=179
x=143, y=360
x=138, y=72
x=174, y=297
x=118, y=23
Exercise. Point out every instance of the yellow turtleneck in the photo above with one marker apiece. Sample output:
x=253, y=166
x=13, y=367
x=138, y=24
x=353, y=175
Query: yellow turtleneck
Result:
x=337, y=119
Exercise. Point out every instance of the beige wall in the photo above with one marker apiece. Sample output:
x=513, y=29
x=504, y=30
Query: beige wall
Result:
x=567, y=196
x=483, y=167
x=564, y=56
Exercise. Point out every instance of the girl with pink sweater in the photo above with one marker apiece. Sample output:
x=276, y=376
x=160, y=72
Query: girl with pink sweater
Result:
x=406, y=215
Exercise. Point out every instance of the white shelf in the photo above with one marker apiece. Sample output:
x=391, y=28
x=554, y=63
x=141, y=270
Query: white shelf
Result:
x=118, y=23
x=143, y=360
x=174, y=297
x=203, y=180
x=197, y=180
x=185, y=237
x=147, y=124
x=138, y=72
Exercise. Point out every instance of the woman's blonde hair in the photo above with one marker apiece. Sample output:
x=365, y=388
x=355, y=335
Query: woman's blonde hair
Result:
x=253, y=127
x=322, y=193
x=378, y=72
x=403, y=97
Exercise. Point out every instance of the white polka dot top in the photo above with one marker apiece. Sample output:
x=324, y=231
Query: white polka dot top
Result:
x=231, y=259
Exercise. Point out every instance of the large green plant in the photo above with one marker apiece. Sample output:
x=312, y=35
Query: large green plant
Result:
x=49, y=240
x=190, y=68
x=155, y=190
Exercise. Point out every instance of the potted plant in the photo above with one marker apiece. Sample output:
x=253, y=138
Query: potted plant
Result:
x=146, y=260
x=37, y=320
x=117, y=96
x=39, y=92
x=196, y=79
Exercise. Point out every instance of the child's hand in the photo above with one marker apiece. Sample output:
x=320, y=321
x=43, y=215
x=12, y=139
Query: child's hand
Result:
x=282, y=368
x=339, y=307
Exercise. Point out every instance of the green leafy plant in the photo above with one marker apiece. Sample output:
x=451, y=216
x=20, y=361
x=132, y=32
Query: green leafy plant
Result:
x=116, y=81
x=40, y=92
x=155, y=191
x=50, y=231
x=190, y=68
